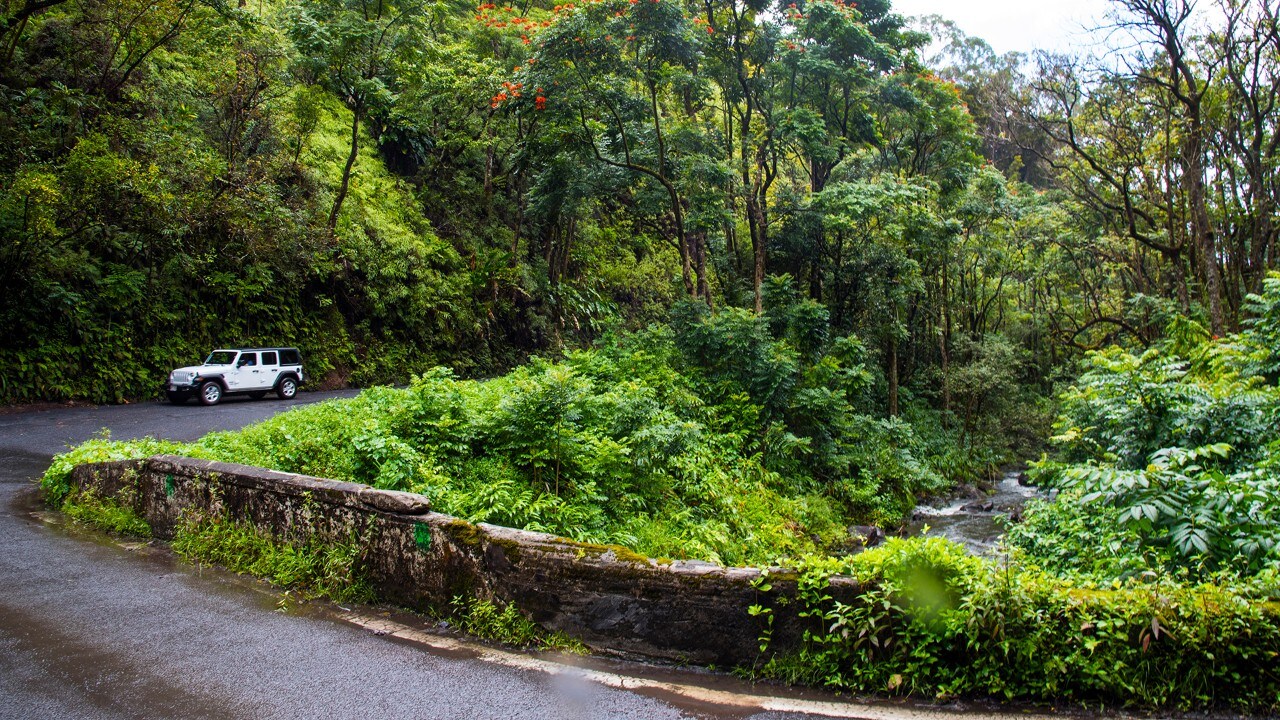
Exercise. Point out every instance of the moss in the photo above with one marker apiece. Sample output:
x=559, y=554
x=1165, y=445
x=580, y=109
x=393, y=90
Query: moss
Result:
x=786, y=575
x=473, y=536
x=464, y=533
x=620, y=553
x=510, y=547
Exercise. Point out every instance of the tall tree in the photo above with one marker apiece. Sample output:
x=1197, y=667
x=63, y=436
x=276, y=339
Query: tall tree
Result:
x=622, y=81
x=348, y=46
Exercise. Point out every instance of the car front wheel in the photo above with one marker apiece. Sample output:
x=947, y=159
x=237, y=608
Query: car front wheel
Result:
x=287, y=389
x=210, y=393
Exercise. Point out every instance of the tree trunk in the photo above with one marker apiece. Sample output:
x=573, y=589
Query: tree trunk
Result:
x=893, y=376
x=944, y=335
x=756, y=221
x=346, y=171
x=1202, y=228
x=700, y=267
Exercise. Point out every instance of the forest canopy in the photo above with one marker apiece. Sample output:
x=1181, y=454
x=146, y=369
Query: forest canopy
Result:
x=393, y=185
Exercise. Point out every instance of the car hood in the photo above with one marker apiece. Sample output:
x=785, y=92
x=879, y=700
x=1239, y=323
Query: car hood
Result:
x=203, y=369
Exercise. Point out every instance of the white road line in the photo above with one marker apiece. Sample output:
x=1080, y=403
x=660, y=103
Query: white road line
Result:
x=723, y=698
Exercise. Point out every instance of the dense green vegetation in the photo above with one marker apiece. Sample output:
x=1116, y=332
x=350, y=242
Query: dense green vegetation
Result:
x=1170, y=460
x=314, y=566
x=652, y=441
x=505, y=624
x=938, y=622
x=380, y=186
x=739, y=274
x=87, y=507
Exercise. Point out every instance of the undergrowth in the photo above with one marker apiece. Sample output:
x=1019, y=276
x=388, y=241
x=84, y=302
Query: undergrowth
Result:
x=932, y=621
x=504, y=623
x=656, y=441
x=317, y=567
x=87, y=507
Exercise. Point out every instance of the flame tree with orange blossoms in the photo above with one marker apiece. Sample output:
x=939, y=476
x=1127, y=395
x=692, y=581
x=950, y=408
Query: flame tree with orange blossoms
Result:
x=618, y=85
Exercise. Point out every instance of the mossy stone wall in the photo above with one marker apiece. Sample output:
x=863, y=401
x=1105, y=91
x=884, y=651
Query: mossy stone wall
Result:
x=610, y=598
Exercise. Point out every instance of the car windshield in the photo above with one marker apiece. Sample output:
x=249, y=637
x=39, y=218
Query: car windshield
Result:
x=220, y=357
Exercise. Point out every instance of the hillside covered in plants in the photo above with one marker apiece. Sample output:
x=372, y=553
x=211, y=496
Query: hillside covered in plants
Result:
x=394, y=186
x=710, y=280
x=1151, y=579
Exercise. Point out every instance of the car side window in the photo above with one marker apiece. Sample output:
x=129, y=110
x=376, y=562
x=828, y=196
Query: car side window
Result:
x=290, y=357
x=268, y=358
x=248, y=360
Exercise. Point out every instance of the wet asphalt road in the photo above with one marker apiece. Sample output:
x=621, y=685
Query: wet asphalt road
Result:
x=92, y=627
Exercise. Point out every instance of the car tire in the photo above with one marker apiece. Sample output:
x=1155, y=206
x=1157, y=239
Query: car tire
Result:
x=257, y=395
x=178, y=398
x=210, y=393
x=287, y=388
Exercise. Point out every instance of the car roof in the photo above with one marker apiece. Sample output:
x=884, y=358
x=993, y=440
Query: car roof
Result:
x=254, y=349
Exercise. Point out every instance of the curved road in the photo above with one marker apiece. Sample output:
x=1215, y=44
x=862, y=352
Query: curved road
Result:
x=92, y=627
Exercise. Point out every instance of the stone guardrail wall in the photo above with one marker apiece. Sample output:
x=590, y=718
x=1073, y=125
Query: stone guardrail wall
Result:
x=610, y=598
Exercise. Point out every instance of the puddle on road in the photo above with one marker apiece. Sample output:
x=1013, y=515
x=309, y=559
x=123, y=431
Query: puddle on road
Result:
x=65, y=660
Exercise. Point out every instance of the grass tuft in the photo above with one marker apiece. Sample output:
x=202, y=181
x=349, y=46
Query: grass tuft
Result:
x=505, y=624
x=86, y=507
x=321, y=569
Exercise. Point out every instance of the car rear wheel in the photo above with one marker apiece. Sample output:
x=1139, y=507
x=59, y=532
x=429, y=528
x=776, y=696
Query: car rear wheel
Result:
x=287, y=389
x=210, y=393
x=178, y=398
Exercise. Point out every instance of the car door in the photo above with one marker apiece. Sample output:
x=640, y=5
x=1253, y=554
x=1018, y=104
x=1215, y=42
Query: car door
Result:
x=270, y=367
x=246, y=375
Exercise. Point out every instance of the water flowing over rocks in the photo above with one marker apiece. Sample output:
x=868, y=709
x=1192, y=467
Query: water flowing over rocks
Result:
x=975, y=522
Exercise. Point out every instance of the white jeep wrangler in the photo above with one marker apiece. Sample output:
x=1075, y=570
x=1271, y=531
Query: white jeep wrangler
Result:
x=252, y=371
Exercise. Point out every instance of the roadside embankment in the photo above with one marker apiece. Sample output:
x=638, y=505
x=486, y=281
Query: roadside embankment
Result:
x=913, y=617
x=610, y=598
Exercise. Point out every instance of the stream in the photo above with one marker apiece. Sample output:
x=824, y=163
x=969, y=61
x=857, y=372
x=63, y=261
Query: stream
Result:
x=975, y=521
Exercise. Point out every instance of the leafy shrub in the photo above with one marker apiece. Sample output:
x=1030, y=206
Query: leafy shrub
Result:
x=658, y=441
x=937, y=622
x=1168, y=460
